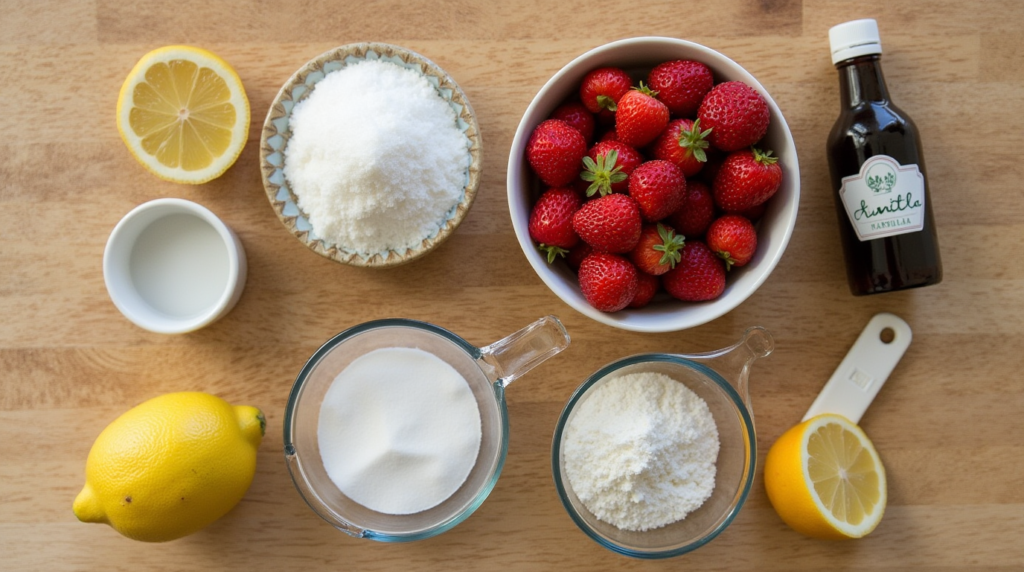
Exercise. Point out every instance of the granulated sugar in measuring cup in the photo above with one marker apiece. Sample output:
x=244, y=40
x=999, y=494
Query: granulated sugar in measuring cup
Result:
x=397, y=430
x=823, y=476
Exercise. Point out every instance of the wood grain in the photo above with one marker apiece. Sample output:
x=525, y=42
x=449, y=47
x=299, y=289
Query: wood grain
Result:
x=948, y=425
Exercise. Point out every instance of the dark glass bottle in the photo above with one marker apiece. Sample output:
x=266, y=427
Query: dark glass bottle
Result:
x=878, y=175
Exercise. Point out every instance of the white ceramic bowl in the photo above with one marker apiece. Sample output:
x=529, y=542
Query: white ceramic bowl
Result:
x=171, y=266
x=637, y=56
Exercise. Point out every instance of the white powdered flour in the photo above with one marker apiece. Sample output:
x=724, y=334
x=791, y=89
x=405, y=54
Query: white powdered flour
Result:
x=399, y=430
x=375, y=158
x=640, y=451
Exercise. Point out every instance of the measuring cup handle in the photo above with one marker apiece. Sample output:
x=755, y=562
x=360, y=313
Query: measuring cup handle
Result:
x=511, y=357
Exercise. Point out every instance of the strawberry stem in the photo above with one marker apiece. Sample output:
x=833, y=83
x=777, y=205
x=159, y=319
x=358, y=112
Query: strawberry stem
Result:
x=605, y=102
x=729, y=260
x=670, y=247
x=646, y=90
x=603, y=173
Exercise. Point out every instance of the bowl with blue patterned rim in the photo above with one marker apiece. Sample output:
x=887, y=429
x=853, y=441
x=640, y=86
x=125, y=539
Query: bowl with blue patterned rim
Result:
x=277, y=133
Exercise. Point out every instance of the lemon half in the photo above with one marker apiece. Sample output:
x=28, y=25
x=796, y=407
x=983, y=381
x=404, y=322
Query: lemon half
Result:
x=825, y=479
x=183, y=114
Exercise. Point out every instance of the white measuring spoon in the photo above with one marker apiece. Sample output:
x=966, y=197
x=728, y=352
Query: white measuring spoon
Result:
x=866, y=367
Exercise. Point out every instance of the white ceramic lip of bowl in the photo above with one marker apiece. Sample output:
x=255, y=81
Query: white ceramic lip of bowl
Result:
x=117, y=272
x=774, y=231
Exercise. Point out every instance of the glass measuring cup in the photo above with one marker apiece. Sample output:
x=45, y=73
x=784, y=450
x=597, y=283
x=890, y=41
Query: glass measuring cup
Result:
x=488, y=371
x=720, y=378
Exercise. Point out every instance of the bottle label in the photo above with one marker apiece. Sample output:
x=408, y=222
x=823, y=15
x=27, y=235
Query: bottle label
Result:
x=884, y=199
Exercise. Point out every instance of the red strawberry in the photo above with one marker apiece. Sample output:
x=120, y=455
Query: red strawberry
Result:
x=555, y=152
x=602, y=88
x=577, y=254
x=551, y=221
x=736, y=114
x=696, y=213
x=579, y=117
x=640, y=118
x=698, y=276
x=603, y=175
x=610, y=223
x=608, y=281
x=682, y=143
x=681, y=85
x=747, y=179
x=646, y=287
x=609, y=135
x=658, y=187
x=658, y=249
x=733, y=239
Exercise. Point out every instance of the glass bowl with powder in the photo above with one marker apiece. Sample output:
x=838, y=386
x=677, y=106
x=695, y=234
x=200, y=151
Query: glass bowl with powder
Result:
x=371, y=155
x=654, y=454
x=396, y=430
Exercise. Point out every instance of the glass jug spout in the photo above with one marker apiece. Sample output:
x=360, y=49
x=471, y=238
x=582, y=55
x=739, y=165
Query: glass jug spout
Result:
x=733, y=363
x=508, y=358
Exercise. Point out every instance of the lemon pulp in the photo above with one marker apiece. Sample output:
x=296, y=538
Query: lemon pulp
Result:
x=844, y=473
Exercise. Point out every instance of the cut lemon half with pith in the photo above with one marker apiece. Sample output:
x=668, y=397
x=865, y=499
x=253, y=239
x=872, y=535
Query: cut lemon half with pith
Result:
x=183, y=114
x=825, y=479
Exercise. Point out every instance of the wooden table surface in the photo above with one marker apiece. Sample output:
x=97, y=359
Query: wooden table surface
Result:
x=948, y=425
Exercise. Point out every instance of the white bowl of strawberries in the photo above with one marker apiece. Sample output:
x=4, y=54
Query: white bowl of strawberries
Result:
x=653, y=184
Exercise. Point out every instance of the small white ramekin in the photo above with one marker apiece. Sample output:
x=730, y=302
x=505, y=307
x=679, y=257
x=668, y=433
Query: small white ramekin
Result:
x=117, y=271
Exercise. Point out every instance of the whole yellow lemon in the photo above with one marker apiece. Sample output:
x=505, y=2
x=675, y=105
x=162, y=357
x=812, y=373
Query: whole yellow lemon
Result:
x=171, y=466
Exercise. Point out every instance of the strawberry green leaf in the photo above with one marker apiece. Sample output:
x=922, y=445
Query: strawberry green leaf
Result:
x=588, y=169
x=729, y=260
x=603, y=173
x=646, y=90
x=695, y=141
x=671, y=246
x=764, y=157
x=605, y=102
x=552, y=252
